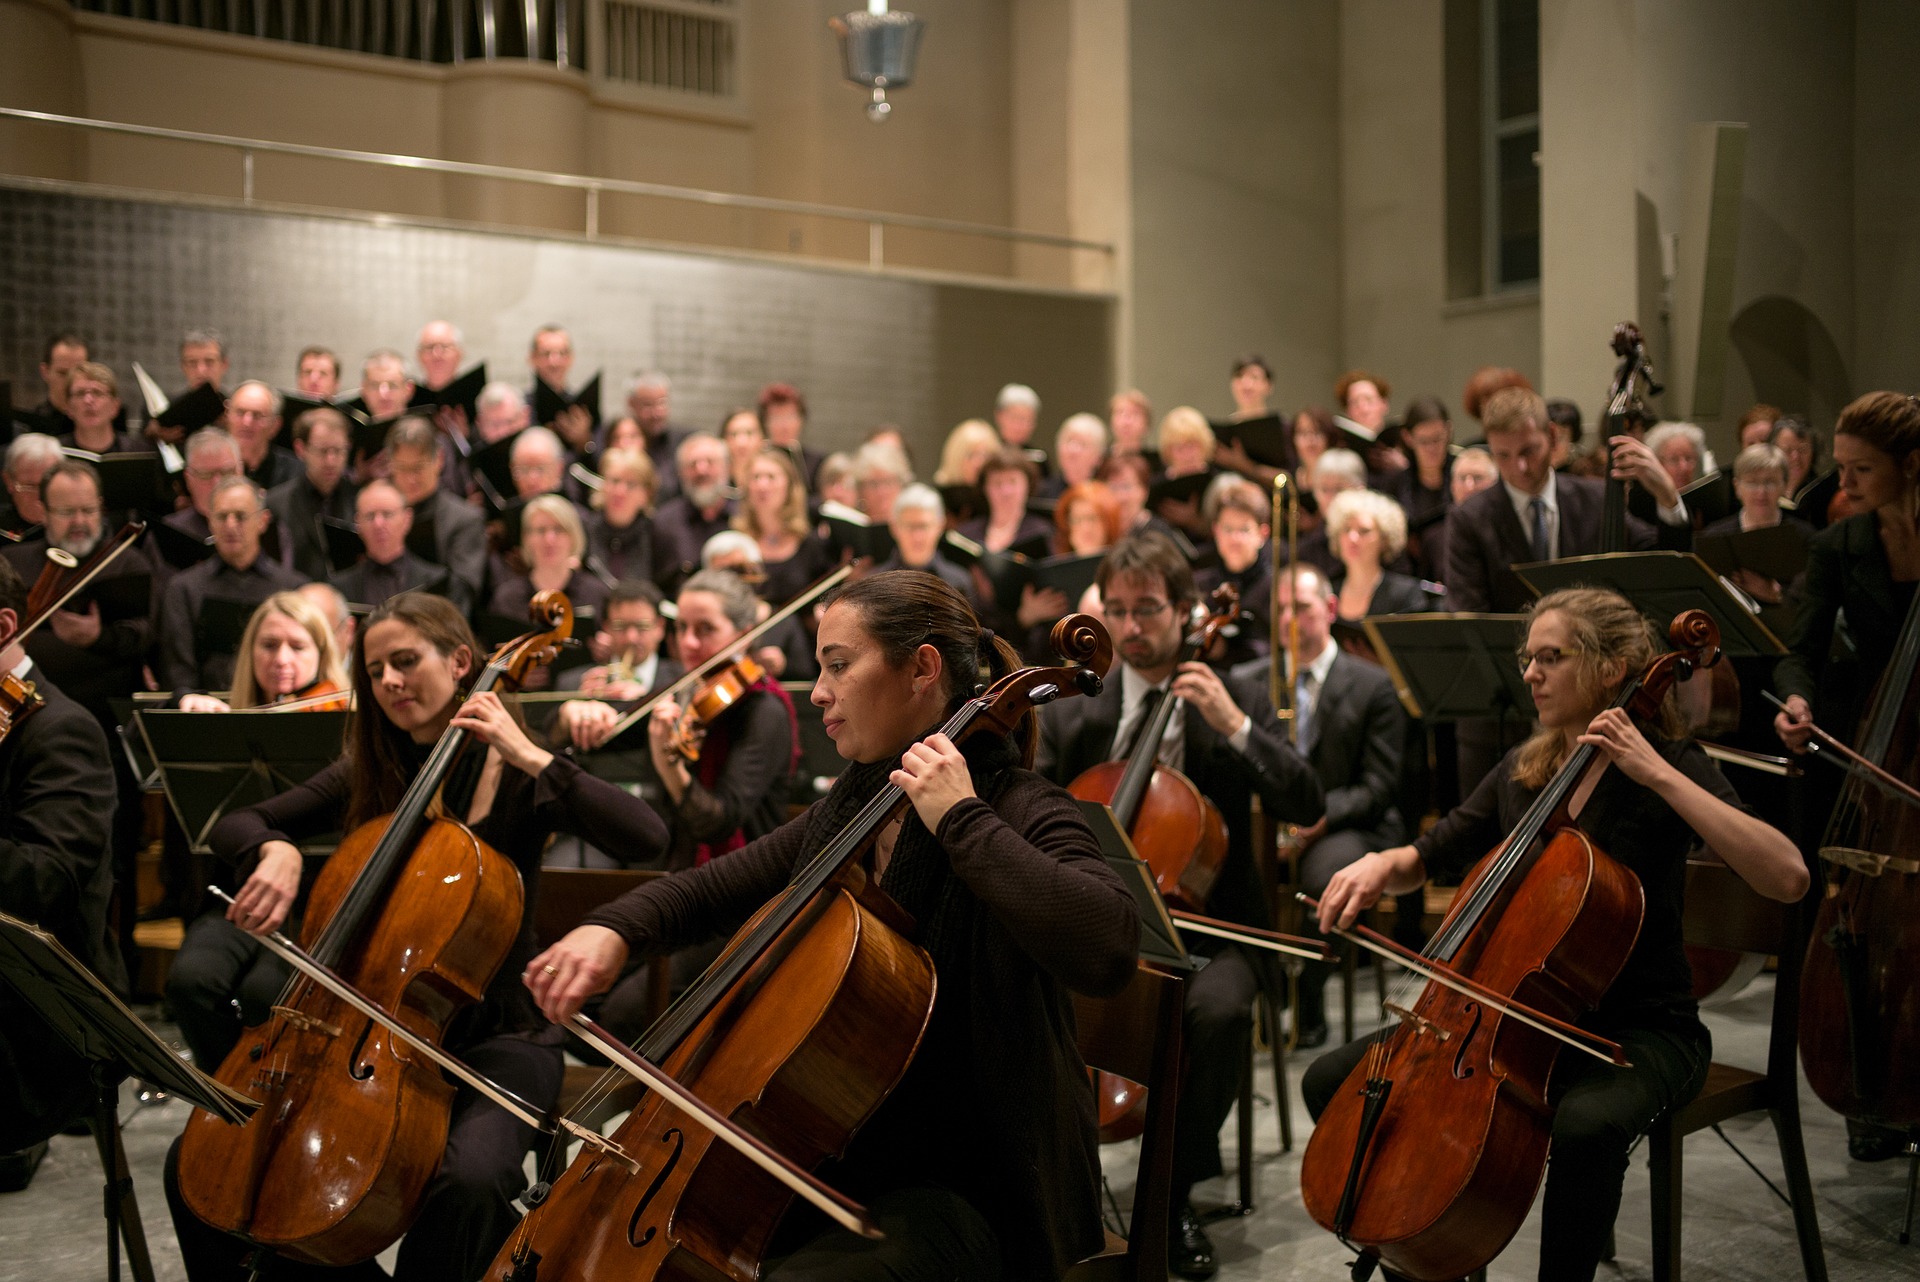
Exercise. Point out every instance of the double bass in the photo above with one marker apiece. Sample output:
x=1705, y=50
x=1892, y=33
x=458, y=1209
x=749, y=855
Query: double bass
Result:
x=798, y=1032
x=1859, y=998
x=1175, y=828
x=415, y=914
x=1429, y=1155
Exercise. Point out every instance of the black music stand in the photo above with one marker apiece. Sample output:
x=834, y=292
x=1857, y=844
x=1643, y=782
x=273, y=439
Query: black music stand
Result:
x=1451, y=667
x=213, y=763
x=1662, y=585
x=1160, y=941
x=97, y=1027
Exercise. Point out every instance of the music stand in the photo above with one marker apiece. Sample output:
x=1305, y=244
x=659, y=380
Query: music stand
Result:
x=1160, y=941
x=213, y=763
x=97, y=1027
x=1662, y=585
x=1452, y=667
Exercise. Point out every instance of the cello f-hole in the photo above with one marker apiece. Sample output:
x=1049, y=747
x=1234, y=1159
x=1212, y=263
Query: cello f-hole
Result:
x=679, y=1141
x=1461, y=1069
x=361, y=1068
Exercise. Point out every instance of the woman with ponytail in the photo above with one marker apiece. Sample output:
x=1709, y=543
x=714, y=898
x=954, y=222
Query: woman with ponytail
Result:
x=1009, y=895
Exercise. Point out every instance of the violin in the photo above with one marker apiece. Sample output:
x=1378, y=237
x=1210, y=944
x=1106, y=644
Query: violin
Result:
x=54, y=588
x=721, y=690
x=18, y=701
x=322, y=696
x=802, y=1027
x=1429, y=1156
x=414, y=914
x=1175, y=828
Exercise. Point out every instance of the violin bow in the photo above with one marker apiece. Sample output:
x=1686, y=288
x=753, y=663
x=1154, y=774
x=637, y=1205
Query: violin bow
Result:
x=1852, y=762
x=1578, y=1038
x=129, y=535
x=1252, y=936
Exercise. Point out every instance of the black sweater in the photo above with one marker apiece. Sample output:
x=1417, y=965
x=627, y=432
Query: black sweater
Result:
x=996, y=1104
x=525, y=812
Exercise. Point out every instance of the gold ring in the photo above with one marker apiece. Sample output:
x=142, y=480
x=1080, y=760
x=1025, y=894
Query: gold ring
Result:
x=551, y=970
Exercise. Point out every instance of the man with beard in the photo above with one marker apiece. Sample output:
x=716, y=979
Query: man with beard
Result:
x=321, y=492
x=94, y=651
x=442, y=529
x=253, y=420
x=703, y=507
x=192, y=655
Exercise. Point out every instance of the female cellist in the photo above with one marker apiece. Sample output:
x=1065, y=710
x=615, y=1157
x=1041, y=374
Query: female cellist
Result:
x=412, y=662
x=733, y=792
x=982, y=1163
x=287, y=652
x=1582, y=645
x=1864, y=567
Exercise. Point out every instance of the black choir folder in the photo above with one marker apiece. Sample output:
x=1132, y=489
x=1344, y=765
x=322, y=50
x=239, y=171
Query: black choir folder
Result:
x=1450, y=667
x=1777, y=552
x=549, y=402
x=463, y=393
x=1662, y=585
x=1266, y=439
x=1012, y=572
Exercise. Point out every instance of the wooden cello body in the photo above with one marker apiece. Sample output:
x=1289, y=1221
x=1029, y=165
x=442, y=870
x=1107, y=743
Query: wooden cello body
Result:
x=1860, y=988
x=416, y=914
x=1430, y=1154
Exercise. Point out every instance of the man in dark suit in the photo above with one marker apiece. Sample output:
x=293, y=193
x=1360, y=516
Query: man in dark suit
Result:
x=444, y=531
x=56, y=807
x=703, y=507
x=382, y=518
x=322, y=492
x=1533, y=514
x=193, y=656
x=1225, y=740
x=1349, y=723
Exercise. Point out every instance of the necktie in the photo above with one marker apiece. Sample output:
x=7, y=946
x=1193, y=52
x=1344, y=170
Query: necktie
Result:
x=1305, y=691
x=1129, y=737
x=1542, y=548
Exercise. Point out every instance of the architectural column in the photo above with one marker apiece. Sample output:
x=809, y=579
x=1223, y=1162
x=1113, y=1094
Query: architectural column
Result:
x=40, y=71
x=526, y=114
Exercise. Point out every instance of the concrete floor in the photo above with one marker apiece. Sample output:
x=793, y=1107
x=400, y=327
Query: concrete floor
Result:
x=1735, y=1229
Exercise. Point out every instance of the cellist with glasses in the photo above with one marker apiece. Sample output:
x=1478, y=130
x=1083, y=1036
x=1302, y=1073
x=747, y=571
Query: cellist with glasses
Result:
x=1648, y=796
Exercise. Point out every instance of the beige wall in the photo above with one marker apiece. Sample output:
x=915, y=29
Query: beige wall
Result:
x=1235, y=197
x=1886, y=177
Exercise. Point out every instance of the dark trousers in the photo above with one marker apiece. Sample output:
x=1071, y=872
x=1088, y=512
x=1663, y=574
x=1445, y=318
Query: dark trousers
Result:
x=1599, y=1111
x=222, y=982
x=468, y=1212
x=1318, y=863
x=1219, y=1019
x=932, y=1235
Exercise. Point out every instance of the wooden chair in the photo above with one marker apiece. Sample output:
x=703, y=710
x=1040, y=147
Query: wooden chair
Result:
x=1136, y=1033
x=563, y=897
x=1722, y=911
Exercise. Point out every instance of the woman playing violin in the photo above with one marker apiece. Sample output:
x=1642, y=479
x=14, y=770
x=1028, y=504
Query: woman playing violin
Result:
x=1011, y=898
x=286, y=652
x=413, y=661
x=1660, y=796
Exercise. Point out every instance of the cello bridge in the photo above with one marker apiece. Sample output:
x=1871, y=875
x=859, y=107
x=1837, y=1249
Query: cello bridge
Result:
x=1867, y=862
x=1421, y=1025
x=600, y=1143
x=304, y=1022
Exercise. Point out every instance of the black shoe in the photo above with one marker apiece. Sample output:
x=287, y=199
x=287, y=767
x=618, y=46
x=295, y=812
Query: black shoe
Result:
x=1189, y=1249
x=1867, y=1142
x=16, y=1169
x=1311, y=1036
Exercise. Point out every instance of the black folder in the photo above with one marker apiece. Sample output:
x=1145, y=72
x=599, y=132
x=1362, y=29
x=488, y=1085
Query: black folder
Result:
x=462, y=393
x=213, y=763
x=549, y=402
x=1662, y=585
x=1267, y=440
x=851, y=529
x=1451, y=667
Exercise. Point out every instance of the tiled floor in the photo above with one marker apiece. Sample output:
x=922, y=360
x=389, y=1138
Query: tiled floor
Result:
x=1735, y=1229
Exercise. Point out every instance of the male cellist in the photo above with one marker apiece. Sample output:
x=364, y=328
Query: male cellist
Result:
x=1227, y=742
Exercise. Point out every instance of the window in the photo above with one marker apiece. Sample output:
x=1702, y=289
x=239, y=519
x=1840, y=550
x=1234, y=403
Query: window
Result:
x=1492, y=139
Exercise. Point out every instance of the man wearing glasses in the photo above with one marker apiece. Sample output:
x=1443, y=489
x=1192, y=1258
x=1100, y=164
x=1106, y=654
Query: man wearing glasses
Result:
x=253, y=420
x=1227, y=741
x=382, y=518
x=630, y=638
x=93, y=406
x=211, y=457
x=322, y=491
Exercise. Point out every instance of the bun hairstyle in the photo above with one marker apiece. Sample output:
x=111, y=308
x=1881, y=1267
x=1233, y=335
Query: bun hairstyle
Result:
x=1888, y=421
x=903, y=610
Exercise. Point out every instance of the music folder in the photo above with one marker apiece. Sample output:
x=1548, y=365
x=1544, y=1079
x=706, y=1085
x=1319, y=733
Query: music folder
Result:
x=1451, y=667
x=213, y=763
x=1662, y=585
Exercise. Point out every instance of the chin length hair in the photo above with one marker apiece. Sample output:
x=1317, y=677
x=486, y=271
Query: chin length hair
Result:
x=903, y=610
x=1605, y=627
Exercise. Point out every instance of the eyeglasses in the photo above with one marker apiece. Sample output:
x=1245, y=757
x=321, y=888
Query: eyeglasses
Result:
x=439, y=347
x=1145, y=612
x=89, y=394
x=210, y=473
x=633, y=627
x=388, y=385
x=1548, y=657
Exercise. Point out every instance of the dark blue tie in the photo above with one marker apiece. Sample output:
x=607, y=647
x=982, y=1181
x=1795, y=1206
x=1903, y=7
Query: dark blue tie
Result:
x=1542, y=548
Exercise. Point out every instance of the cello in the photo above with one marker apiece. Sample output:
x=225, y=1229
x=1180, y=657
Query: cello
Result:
x=1177, y=830
x=1429, y=1155
x=798, y=1032
x=416, y=914
x=1859, y=1002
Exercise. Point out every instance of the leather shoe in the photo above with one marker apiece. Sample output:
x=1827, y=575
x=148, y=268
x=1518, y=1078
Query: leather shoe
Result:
x=1189, y=1249
x=1311, y=1036
x=1867, y=1142
x=16, y=1169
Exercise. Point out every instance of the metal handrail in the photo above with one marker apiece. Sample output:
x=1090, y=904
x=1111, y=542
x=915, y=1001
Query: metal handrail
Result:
x=583, y=182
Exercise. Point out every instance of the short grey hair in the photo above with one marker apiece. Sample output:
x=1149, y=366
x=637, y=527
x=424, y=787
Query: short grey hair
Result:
x=214, y=438
x=537, y=438
x=273, y=394
x=33, y=447
x=498, y=393
x=1083, y=422
x=226, y=483
x=382, y=354
x=197, y=337
x=458, y=337
x=687, y=442
x=651, y=378
x=879, y=456
x=919, y=497
x=1344, y=464
x=1017, y=394
x=1662, y=433
x=1758, y=459
x=731, y=543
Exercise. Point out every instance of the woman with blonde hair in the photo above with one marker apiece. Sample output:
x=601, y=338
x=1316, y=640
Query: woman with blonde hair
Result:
x=1648, y=796
x=966, y=451
x=620, y=527
x=1368, y=531
x=286, y=652
x=553, y=543
x=774, y=514
x=1187, y=444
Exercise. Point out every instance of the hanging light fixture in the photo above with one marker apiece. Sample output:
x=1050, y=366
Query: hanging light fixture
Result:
x=877, y=49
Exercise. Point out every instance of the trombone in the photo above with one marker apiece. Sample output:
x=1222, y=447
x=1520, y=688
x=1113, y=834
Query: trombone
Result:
x=1285, y=529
